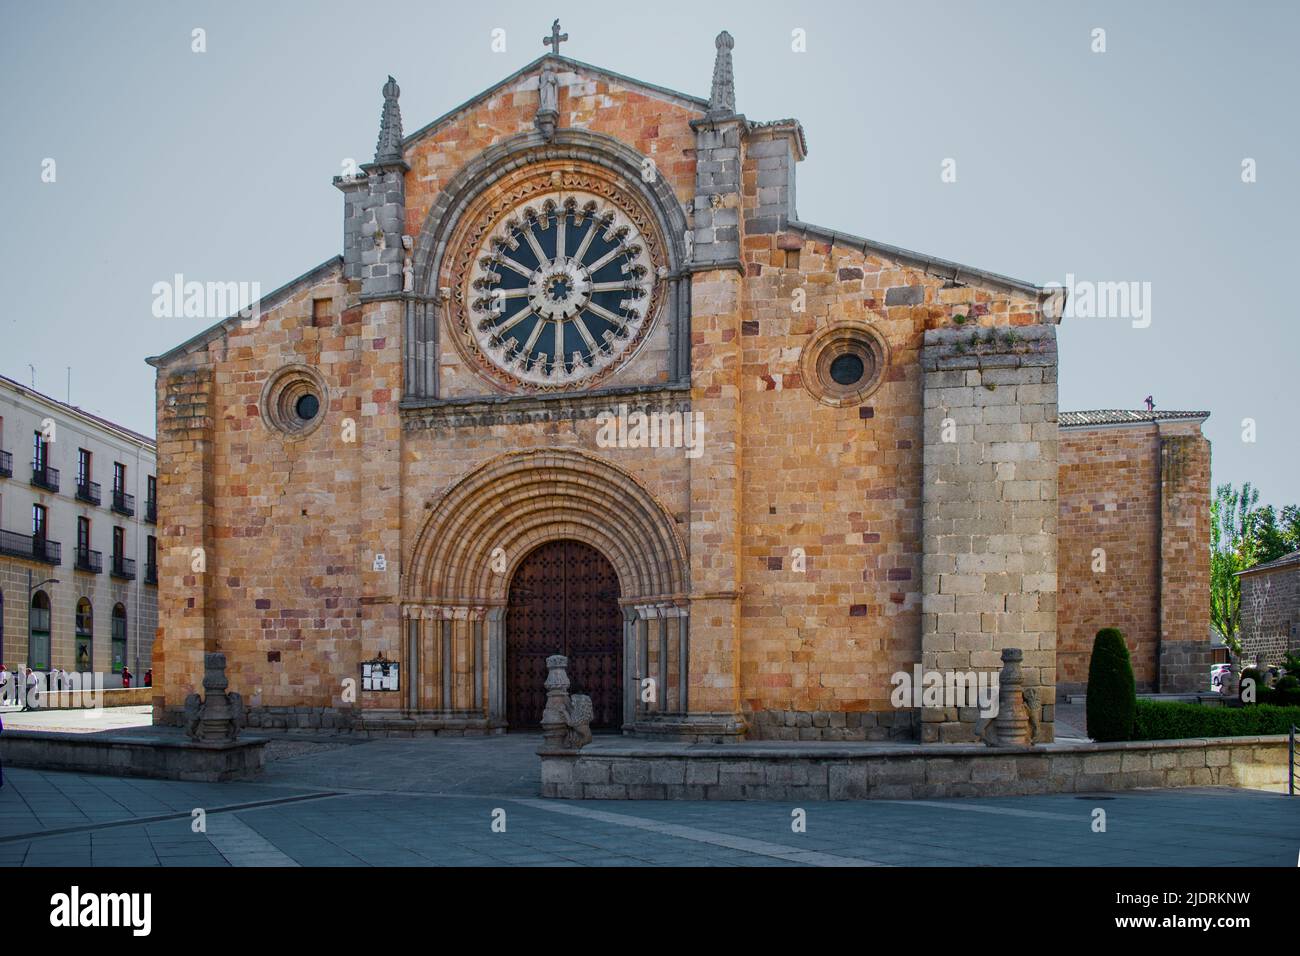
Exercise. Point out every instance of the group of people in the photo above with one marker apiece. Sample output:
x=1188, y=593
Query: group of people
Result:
x=16, y=686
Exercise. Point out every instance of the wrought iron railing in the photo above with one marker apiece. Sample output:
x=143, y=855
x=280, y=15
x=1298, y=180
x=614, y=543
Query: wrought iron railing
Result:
x=123, y=503
x=123, y=567
x=151, y=510
x=6, y=465
x=43, y=476
x=30, y=546
x=88, y=560
x=88, y=491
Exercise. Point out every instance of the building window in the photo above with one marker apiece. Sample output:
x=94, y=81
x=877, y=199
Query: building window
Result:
x=38, y=636
x=83, y=466
x=294, y=401
x=119, y=544
x=39, y=448
x=151, y=560
x=119, y=638
x=38, y=522
x=85, y=650
x=321, y=310
x=119, y=476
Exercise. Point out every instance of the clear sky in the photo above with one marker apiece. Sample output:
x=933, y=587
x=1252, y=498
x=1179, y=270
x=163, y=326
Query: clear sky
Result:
x=1115, y=166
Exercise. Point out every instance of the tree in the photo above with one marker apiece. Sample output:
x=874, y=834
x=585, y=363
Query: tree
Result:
x=1229, y=520
x=1242, y=535
x=1112, y=693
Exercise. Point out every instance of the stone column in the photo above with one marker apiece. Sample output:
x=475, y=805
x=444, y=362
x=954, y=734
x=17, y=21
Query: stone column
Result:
x=630, y=618
x=496, y=665
x=1185, y=650
x=187, y=557
x=989, y=506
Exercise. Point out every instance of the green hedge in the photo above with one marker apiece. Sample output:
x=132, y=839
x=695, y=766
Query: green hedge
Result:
x=1167, y=720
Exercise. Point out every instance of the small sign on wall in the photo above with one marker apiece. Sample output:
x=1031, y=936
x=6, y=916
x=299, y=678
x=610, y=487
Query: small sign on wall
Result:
x=379, y=674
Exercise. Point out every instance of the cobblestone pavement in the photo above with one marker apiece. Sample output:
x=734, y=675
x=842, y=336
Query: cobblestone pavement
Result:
x=432, y=802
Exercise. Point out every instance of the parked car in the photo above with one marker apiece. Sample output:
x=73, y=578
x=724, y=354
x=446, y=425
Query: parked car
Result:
x=1216, y=676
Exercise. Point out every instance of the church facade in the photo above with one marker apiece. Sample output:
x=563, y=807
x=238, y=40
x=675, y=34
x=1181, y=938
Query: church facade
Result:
x=582, y=382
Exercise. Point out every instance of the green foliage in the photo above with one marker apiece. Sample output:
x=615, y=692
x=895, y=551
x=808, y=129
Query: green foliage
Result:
x=1166, y=720
x=1242, y=535
x=1112, y=694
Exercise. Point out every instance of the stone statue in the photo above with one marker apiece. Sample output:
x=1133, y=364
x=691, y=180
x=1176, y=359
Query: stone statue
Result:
x=408, y=268
x=1031, y=705
x=578, y=716
x=566, y=721
x=548, y=106
x=688, y=237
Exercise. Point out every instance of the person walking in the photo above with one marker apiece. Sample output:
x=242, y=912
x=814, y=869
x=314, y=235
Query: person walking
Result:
x=6, y=684
x=30, y=682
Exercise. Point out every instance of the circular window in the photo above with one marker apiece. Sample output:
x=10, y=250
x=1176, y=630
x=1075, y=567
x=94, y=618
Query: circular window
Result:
x=291, y=400
x=844, y=363
x=307, y=406
x=847, y=369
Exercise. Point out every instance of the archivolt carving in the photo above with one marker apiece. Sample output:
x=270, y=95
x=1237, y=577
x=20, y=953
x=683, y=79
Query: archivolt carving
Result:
x=486, y=523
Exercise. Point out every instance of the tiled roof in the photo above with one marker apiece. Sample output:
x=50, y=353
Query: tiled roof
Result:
x=1123, y=416
x=1284, y=561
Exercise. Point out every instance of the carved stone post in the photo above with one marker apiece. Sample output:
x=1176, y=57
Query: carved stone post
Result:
x=1012, y=722
x=217, y=717
x=555, y=724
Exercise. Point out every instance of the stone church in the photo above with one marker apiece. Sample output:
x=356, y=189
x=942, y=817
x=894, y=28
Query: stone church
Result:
x=582, y=382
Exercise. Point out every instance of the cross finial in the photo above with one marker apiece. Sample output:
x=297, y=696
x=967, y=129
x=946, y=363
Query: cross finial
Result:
x=556, y=38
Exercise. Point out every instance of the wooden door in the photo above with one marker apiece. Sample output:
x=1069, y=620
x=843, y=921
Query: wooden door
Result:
x=564, y=600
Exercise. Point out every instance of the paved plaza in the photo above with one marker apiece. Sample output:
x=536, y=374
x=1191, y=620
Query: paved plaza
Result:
x=333, y=801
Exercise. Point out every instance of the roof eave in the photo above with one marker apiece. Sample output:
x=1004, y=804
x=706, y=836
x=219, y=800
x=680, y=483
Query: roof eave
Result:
x=266, y=303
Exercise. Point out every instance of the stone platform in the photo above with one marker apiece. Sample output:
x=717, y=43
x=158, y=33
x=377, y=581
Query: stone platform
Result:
x=629, y=769
x=164, y=755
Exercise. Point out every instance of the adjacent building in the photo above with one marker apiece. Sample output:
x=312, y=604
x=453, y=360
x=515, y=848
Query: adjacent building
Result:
x=1270, y=610
x=78, y=549
x=1135, y=545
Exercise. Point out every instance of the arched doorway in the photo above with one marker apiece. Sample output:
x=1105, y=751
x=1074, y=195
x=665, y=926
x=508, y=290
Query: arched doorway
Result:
x=563, y=599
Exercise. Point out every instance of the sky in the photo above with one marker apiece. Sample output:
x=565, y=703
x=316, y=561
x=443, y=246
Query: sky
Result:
x=1117, y=165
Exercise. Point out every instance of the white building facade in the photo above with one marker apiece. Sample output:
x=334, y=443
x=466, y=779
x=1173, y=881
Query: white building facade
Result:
x=78, y=542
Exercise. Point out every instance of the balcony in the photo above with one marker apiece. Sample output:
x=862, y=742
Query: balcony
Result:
x=30, y=547
x=6, y=465
x=123, y=568
x=88, y=560
x=43, y=476
x=123, y=503
x=151, y=510
x=151, y=574
x=88, y=491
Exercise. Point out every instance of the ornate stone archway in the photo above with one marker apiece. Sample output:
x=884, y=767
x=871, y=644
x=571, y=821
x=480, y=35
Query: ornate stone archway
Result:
x=475, y=536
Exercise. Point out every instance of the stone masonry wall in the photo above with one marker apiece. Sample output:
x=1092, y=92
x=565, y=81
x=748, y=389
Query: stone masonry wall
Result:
x=1110, y=500
x=831, y=773
x=1185, y=650
x=990, y=512
x=1270, y=614
x=1136, y=497
x=843, y=484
